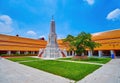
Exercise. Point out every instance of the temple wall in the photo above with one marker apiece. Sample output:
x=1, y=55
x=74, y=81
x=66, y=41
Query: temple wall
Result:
x=109, y=40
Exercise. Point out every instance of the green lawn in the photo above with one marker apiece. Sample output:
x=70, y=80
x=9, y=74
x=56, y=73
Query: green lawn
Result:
x=17, y=59
x=74, y=71
x=98, y=60
x=91, y=59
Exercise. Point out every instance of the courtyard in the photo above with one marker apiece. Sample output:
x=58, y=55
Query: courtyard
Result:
x=69, y=70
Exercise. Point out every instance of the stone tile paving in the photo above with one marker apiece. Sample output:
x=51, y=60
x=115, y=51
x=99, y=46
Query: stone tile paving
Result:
x=108, y=73
x=12, y=72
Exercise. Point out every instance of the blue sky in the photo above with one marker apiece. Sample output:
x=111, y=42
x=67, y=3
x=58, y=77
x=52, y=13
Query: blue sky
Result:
x=31, y=18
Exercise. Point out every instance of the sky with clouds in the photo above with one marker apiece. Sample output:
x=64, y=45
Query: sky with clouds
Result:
x=31, y=18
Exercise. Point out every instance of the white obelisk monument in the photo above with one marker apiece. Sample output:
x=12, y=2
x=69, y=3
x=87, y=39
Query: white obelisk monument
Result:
x=52, y=50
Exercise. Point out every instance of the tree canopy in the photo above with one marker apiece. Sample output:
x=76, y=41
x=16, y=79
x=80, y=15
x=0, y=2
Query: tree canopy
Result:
x=81, y=42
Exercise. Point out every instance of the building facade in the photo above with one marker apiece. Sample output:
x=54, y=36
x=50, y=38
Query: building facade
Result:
x=109, y=40
x=110, y=43
x=19, y=45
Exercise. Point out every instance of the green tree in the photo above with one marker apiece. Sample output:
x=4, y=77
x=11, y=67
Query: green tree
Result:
x=81, y=42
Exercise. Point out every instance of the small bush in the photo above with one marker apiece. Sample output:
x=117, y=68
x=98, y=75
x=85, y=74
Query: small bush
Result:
x=80, y=58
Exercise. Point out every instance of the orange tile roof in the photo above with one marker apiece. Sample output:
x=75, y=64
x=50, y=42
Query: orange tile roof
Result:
x=109, y=40
x=113, y=34
x=19, y=43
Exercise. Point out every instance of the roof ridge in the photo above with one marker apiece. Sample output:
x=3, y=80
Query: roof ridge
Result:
x=104, y=31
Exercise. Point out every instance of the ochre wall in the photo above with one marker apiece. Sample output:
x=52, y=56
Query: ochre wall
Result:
x=19, y=43
x=109, y=40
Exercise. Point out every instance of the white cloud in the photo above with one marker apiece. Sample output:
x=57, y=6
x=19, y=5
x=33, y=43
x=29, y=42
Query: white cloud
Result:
x=43, y=36
x=90, y=2
x=114, y=15
x=6, y=24
x=32, y=33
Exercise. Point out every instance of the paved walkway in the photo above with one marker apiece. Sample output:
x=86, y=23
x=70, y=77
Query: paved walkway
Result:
x=108, y=73
x=12, y=72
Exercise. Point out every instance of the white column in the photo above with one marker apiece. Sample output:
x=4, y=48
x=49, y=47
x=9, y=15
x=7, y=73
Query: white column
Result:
x=26, y=52
x=72, y=53
x=99, y=53
x=68, y=53
x=9, y=52
x=18, y=52
x=33, y=52
x=89, y=53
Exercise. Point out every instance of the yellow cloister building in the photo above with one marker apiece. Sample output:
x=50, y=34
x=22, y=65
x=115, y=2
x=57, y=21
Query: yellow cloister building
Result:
x=109, y=40
x=110, y=43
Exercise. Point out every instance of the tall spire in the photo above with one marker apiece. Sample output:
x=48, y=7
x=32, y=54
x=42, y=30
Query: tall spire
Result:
x=52, y=29
x=52, y=51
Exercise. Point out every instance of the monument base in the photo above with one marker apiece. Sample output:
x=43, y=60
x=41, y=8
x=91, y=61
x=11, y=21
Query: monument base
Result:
x=52, y=53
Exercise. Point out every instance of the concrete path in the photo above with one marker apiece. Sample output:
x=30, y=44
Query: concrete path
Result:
x=81, y=62
x=12, y=72
x=108, y=73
